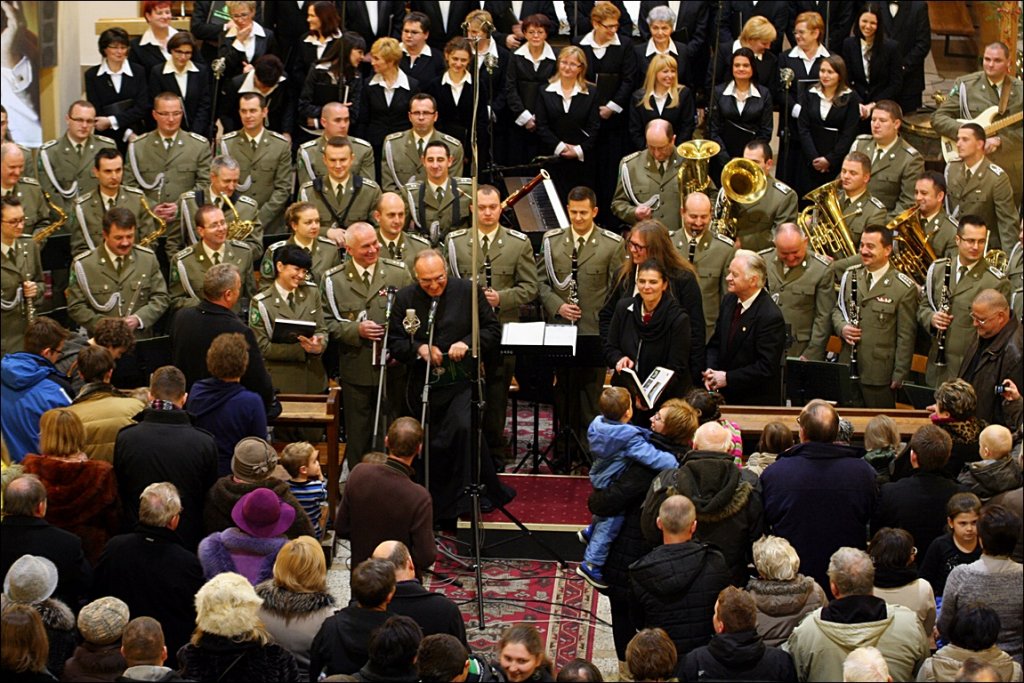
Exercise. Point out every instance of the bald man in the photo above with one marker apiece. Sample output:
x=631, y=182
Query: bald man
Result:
x=397, y=243
x=647, y=185
x=710, y=253
x=15, y=183
x=335, y=120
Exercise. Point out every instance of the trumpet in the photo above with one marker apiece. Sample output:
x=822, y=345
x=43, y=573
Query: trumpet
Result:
x=693, y=174
x=237, y=228
x=743, y=182
x=161, y=225
x=998, y=259
x=62, y=218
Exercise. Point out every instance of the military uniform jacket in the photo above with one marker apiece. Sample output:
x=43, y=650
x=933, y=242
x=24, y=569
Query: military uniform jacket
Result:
x=597, y=266
x=755, y=222
x=64, y=173
x=404, y=249
x=89, y=210
x=189, y=266
x=401, y=163
x=190, y=202
x=357, y=203
x=987, y=194
x=871, y=211
x=348, y=302
x=96, y=290
x=887, y=324
x=941, y=233
x=806, y=297
x=894, y=175
x=266, y=173
x=513, y=270
x=1015, y=274
x=639, y=181
x=166, y=174
x=712, y=258
x=961, y=331
x=37, y=211
x=325, y=256
x=436, y=219
x=292, y=369
x=310, y=163
x=23, y=265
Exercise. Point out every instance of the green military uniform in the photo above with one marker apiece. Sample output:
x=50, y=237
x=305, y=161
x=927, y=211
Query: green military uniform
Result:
x=97, y=290
x=403, y=249
x=349, y=300
x=971, y=95
x=246, y=207
x=434, y=217
x=987, y=193
x=402, y=164
x=806, y=296
x=66, y=173
x=357, y=202
x=1015, y=274
x=189, y=266
x=37, y=211
x=940, y=231
x=325, y=256
x=30, y=162
x=17, y=266
x=293, y=370
x=894, y=174
x=866, y=210
x=888, y=328
x=310, y=163
x=712, y=256
x=961, y=332
x=640, y=178
x=89, y=210
x=266, y=174
x=755, y=222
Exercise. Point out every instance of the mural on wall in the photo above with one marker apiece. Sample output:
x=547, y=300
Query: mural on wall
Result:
x=19, y=70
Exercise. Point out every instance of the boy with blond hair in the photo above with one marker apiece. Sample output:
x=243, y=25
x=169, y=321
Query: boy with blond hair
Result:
x=305, y=479
x=996, y=471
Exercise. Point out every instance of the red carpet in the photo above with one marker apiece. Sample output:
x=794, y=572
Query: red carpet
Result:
x=546, y=500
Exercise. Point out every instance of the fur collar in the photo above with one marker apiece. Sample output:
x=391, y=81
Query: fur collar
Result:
x=781, y=598
x=56, y=615
x=286, y=603
x=215, y=552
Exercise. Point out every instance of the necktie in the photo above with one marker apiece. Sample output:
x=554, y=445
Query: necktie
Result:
x=119, y=263
x=110, y=203
x=216, y=258
x=735, y=323
x=661, y=168
x=440, y=195
x=392, y=250
x=291, y=300
x=878, y=155
x=419, y=147
x=961, y=271
x=693, y=250
x=78, y=148
x=871, y=281
x=253, y=144
x=967, y=175
x=486, y=243
x=579, y=247
x=339, y=192
x=366, y=279
x=167, y=143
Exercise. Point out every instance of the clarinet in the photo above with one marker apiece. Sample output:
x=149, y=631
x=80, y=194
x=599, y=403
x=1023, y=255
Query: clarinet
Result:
x=487, y=277
x=28, y=302
x=945, y=304
x=574, y=287
x=855, y=321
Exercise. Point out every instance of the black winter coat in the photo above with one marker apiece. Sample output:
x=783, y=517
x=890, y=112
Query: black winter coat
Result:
x=917, y=504
x=740, y=656
x=341, y=646
x=22, y=535
x=218, y=658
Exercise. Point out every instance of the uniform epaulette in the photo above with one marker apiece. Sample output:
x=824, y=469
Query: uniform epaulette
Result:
x=824, y=260
x=449, y=138
x=358, y=141
x=458, y=233
x=417, y=238
x=245, y=199
x=49, y=144
x=82, y=255
x=880, y=205
x=187, y=251
x=766, y=251
x=394, y=263
x=335, y=269
x=275, y=246
x=955, y=161
x=911, y=150
x=608, y=233
x=630, y=157
x=554, y=232
x=307, y=283
x=229, y=136
x=104, y=138
x=141, y=137
x=262, y=295
x=370, y=182
x=132, y=190
x=145, y=249
x=82, y=198
x=311, y=143
x=394, y=136
x=782, y=187
x=239, y=243
x=28, y=181
x=275, y=134
x=905, y=279
x=308, y=183
x=723, y=238
x=865, y=137
x=995, y=169
x=463, y=181
x=855, y=266
x=515, y=233
x=199, y=137
x=325, y=240
x=191, y=194
x=413, y=185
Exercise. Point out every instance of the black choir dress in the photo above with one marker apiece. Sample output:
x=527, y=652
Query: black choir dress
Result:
x=578, y=126
x=803, y=79
x=733, y=129
x=130, y=104
x=523, y=84
x=829, y=137
x=683, y=117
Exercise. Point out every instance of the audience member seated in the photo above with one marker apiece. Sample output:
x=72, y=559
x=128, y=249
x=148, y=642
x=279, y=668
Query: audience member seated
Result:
x=708, y=405
x=730, y=513
x=250, y=547
x=958, y=545
x=23, y=655
x=442, y=658
x=821, y=641
x=341, y=646
x=996, y=472
x=81, y=494
x=893, y=553
x=776, y=437
x=865, y=664
x=221, y=405
x=392, y=651
x=521, y=655
x=101, y=624
x=145, y=653
x=31, y=581
x=736, y=651
x=651, y=656
x=164, y=446
x=993, y=579
x=296, y=602
x=230, y=642
x=782, y=594
x=252, y=467
x=434, y=612
x=954, y=411
x=916, y=503
x=114, y=334
x=24, y=530
x=306, y=482
x=1014, y=500
x=675, y=585
x=30, y=385
x=579, y=670
x=882, y=443
x=972, y=632
x=819, y=496
x=103, y=409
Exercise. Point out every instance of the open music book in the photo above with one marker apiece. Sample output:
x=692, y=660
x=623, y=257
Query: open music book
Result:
x=648, y=390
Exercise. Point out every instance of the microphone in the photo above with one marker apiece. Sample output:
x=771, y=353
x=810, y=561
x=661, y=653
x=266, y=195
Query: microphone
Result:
x=411, y=323
x=391, y=291
x=433, y=312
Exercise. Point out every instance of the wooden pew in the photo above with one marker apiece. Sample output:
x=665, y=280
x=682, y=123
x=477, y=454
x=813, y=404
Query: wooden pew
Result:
x=752, y=419
x=317, y=410
x=951, y=18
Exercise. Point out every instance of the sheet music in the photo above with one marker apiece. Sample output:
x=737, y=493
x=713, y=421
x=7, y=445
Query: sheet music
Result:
x=561, y=335
x=523, y=334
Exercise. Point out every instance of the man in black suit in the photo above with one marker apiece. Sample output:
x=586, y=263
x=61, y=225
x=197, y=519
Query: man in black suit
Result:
x=745, y=351
x=910, y=27
x=736, y=13
x=443, y=28
x=385, y=22
x=24, y=531
x=420, y=61
x=507, y=31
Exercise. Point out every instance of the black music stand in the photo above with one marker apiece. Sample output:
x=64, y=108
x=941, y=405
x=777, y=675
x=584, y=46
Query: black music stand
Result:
x=917, y=395
x=810, y=379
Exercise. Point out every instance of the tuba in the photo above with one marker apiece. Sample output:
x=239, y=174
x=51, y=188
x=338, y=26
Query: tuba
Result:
x=237, y=228
x=743, y=182
x=693, y=174
x=911, y=255
x=824, y=223
x=998, y=259
x=62, y=217
x=161, y=225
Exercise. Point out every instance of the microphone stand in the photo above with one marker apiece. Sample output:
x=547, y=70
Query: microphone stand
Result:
x=425, y=397
x=712, y=100
x=383, y=359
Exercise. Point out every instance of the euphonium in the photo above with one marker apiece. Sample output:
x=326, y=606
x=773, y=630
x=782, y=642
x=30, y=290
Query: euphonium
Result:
x=237, y=228
x=912, y=254
x=693, y=174
x=161, y=225
x=62, y=218
x=824, y=223
x=998, y=259
x=743, y=182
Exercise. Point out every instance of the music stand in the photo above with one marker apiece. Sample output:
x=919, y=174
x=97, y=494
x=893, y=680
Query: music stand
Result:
x=810, y=379
x=918, y=395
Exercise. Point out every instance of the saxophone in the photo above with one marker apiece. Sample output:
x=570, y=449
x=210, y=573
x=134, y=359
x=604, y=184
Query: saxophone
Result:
x=62, y=217
x=237, y=228
x=855, y=321
x=161, y=225
x=945, y=304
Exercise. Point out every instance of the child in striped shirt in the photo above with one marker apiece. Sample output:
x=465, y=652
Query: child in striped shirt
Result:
x=302, y=462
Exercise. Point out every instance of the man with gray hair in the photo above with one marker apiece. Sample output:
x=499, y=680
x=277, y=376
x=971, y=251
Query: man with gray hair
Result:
x=822, y=641
x=223, y=193
x=993, y=357
x=865, y=664
x=745, y=352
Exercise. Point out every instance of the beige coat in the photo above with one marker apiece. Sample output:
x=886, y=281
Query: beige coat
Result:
x=104, y=411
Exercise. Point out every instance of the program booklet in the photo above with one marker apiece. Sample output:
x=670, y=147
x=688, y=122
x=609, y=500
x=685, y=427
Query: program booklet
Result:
x=648, y=390
x=288, y=331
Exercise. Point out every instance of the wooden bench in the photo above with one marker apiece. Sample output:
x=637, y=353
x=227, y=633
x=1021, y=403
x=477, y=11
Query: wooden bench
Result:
x=317, y=410
x=949, y=18
x=752, y=419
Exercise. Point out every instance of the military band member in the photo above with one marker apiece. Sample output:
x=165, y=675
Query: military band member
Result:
x=355, y=297
x=939, y=228
x=755, y=222
x=340, y=196
x=223, y=193
x=296, y=367
x=118, y=278
x=403, y=151
x=709, y=252
x=647, y=186
x=21, y=276
x=803, y=285
x=265, y=161
x=335, y=120
x=1015, y=274
x=508, y=273
x=304, y=221
x=189, y=266
x=895, y=165
x=397, y=243
x=969, y=274
x=5, y=136
x=886, y=301
x=438, y=203
x=110, y=192
x=14, y=183
x=859, y=208
x=976, y=186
